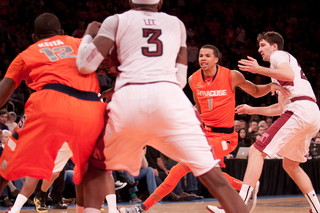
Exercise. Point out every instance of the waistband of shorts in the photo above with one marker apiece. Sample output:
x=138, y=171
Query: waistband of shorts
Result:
x=144, y=83
x=224, y=130
x=302, y=98
x=82, y=95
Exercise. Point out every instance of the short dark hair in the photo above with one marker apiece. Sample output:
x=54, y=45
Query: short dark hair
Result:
x=46, y=24
x=214, y=48
x=3, y=111
x=272, y=38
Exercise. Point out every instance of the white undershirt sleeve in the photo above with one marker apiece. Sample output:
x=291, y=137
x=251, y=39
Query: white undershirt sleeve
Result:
x=89, y=57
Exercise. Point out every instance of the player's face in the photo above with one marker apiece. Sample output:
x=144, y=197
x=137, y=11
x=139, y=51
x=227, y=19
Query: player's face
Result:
x=265, y=50
x=207, y=60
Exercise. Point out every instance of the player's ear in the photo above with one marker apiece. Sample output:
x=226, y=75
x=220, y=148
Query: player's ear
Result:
x=61, y=32
x=131, y=4
x=160, y=5
x=34, y=38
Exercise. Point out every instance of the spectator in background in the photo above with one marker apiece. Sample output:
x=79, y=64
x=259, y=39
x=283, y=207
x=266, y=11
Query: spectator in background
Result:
x=11, y=122
x=243, y=141
x=261, y=130
x=3, y=119
x=79, y=32
x=253, y=128
x=145, y=172
x=263, y=123
x=256, y=136
x=269, y=121
x=237, y=125
x=243, y=124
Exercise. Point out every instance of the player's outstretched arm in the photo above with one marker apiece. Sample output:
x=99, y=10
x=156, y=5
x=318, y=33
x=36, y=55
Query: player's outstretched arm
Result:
x=272, y=110
x=253, y=89
x=283, y=72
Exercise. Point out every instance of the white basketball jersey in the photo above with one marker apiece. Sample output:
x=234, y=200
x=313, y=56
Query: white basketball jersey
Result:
x=147, y=46
x=300, y=86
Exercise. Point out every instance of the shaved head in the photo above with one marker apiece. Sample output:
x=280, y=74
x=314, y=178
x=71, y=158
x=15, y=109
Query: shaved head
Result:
x=47, y=25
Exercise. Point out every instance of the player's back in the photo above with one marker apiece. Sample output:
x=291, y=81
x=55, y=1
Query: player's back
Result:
x=53, y=60
x=147, y=45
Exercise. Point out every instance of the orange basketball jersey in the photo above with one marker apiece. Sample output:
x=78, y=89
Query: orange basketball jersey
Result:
x=216, y=98
x=41, y=64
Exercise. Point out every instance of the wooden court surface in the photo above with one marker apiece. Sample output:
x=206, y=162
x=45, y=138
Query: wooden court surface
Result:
x=288, y=204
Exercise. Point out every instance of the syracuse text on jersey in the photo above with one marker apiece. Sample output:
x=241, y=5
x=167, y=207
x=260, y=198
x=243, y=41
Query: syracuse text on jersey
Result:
x=211, y=93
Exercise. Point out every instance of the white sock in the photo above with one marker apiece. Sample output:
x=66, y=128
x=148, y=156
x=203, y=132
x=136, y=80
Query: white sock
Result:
x=91, y=210
x=313, y=201
x=245, y=192
x=112, y=203
x=79, y=209
x=20, y=201
x=11, y=186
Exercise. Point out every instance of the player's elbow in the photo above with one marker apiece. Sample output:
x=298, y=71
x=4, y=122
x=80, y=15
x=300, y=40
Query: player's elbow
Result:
x=83, y=67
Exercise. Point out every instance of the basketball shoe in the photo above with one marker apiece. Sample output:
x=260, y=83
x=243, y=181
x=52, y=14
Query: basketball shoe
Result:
x=215, y=209
x=40, y=205
x=135, y=209
x=251, y=203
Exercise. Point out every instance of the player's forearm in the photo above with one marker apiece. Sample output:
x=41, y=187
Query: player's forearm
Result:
x=261, y=90
x=282, y=74
x=272, y=110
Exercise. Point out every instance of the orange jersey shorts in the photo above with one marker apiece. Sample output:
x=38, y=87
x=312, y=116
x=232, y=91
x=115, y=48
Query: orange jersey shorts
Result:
x=50, y=119
x=222, y=143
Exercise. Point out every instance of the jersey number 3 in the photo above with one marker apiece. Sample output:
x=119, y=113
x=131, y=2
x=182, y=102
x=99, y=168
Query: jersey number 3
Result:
x=154, y=39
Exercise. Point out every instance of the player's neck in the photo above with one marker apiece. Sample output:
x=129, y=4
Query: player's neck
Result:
x=210, y=72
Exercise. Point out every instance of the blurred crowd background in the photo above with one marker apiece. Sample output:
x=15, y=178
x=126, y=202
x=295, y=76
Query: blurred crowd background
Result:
x=231, y=25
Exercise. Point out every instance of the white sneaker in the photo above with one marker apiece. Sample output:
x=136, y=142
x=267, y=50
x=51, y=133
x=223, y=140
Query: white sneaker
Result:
x=215, y=209
x=119, y=185
x=135, y=209
x=252, y=201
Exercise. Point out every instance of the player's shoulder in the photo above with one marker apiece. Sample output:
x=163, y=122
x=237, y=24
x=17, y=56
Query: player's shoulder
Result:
x=280, y=53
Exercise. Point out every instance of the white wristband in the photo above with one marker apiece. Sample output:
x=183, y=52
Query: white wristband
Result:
x=182, y=74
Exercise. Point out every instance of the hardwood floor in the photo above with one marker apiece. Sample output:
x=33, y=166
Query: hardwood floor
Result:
x=281, y=204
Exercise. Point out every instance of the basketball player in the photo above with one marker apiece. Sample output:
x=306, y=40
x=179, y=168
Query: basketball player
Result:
x=290, y=135
x=64, y=108
x=213, y=89
x=148, y=106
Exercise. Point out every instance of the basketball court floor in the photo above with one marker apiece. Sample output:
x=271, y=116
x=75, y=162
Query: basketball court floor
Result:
x=267, y=204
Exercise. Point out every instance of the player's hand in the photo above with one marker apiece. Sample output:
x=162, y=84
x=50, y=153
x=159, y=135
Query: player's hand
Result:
x=155, y=171
x=250, y=65
x=93, y=28
x=107, y=94
x=244, y=109
x=275, y=87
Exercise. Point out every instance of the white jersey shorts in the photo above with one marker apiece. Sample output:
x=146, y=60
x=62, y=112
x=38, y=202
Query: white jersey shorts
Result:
x=160, y=115
x=290, y=135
